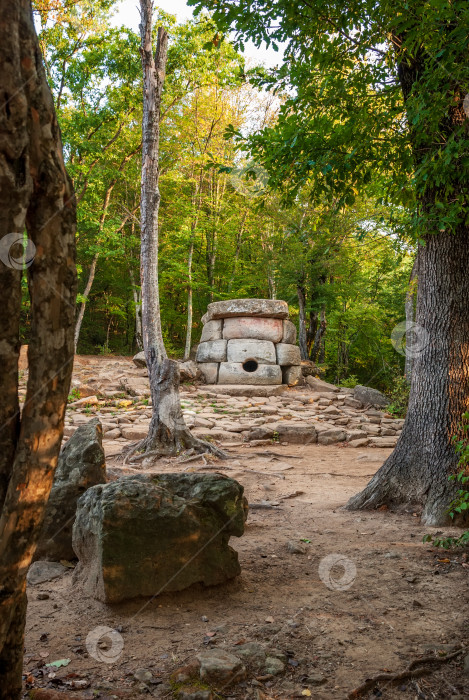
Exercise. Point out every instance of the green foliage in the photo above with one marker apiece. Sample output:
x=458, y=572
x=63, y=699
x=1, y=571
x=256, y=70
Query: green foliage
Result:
x=399, y=391
x=460, y=505
x=350, y=382
x=74, y=395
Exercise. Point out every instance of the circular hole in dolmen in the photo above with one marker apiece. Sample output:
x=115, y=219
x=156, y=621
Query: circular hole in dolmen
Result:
x=250, y=365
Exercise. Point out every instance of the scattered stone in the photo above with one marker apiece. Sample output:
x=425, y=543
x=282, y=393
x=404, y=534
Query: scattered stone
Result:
x=319, y=385
x=296, y=433
x=43, y=596
x=331, y=437
x=252, y=653
x=363, y=442
x=42, y=571
x=189, y=371
x=383, y=441
x=315, y=679
x=171, y=528
x=193, y=694
x=245, y=390
x=81, y=465
x=219, y=667
x=292, y=376
x=295, y=548
x=273, y=666
x=134, y=432
x=139, y=359
x=353, y=403
x=141, y=674
x=370, y=397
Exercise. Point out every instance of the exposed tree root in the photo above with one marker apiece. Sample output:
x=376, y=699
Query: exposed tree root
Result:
x=411, y=671
x=148, y=448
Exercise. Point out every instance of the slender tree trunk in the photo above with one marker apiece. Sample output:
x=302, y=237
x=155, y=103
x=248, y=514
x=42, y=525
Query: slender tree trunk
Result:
x=317, y=350
x=168, y=433
x=187, y=349
x=44, y=204
x=416, y=474
x=411, y=336
x=86, y=292
x=302, y=323
x=138, y=311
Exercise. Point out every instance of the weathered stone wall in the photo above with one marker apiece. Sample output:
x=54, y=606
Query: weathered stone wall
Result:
x=249, y=341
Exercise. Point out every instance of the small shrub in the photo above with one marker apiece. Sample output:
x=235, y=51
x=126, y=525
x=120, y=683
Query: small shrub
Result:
x=350, y=382
x=399, y=395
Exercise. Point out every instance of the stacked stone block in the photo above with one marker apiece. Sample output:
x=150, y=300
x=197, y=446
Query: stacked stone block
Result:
x=249, y=341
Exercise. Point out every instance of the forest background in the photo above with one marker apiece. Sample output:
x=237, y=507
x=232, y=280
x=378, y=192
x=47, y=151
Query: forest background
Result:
x=343, y=265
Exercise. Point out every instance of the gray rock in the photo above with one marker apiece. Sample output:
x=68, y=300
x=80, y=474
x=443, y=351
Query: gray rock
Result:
x=262, y=351
x=212, y=351
x=142, y=535
x=255, y=328
x=289, y=333
x=234, y=373
x=209, y=371
x=293, y=376
x=42, y=571
x=252, y=653
x=353, y=403
x=288, y=354
x=295, y=548
x=297, y=433
x=267, y=308
x=212, y=331
x=332, y=436
x=219, y=667
x=370, y=397
x=139, y=359
x=273, y=666
x=189, y=371
x=244, y=390
x=319, y=385
x=192, y=694
x=142, y=675
x=81, y=465
x=383, y=441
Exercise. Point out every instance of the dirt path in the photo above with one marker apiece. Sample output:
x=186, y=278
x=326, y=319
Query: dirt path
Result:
x=388, y=600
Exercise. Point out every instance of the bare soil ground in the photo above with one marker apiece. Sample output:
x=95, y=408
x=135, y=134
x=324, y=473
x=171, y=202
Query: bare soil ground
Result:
x=391, y=599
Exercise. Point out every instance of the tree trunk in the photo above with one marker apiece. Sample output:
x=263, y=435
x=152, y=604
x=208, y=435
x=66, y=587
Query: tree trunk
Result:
x=86, y=292
x=187, y=349
x=138, y=311
x=36, y=194
x=410, y=335
x=317, y=351
x=416, y=474
x=302, y=323
x=168, y=433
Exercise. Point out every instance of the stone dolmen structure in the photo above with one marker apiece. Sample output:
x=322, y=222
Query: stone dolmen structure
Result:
x=249, y=341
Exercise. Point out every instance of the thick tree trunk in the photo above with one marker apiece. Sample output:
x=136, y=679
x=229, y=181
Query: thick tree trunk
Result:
x=416, y=474
x=36, y=194
x=168, y=433
x=411, y=336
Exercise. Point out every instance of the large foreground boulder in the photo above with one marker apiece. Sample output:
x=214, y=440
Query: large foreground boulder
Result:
x=81, y=465
x=370, y=397
x=142, y=535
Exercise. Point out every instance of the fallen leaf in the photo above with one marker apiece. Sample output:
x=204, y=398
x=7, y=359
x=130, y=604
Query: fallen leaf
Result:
x=306, y=692
x=444, y=561
x=59, y=663
x=68, y=564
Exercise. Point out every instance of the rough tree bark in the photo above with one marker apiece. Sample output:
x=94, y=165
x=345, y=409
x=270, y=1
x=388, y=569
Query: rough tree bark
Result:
x=302, y=322
x=168, y=433
x=411, y=337
x=416, y=474
x=35, y=194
